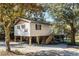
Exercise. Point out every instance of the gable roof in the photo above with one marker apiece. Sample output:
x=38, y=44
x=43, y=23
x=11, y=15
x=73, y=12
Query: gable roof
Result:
x=31, y=21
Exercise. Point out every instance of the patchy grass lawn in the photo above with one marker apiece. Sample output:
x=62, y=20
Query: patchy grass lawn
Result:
x=76, y=39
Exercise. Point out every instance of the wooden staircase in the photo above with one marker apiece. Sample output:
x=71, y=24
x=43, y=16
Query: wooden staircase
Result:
x=49, y=39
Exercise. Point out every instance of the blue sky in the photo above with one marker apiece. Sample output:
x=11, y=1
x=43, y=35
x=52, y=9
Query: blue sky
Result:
x=48, y=17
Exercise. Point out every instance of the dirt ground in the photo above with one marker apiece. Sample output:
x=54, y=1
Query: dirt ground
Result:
x=20, y=48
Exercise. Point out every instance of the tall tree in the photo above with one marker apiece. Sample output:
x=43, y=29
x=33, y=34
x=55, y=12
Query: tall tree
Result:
x=9, y=13
x=68, y=13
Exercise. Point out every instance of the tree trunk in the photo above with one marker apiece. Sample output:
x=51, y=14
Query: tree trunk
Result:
x=7, y=38
x=73, y=38
x=73, y=32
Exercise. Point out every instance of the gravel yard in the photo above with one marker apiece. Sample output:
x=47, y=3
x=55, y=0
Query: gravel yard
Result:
x=39, y=50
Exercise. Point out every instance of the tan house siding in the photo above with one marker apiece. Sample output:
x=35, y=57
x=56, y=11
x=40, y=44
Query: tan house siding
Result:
x=45, y=30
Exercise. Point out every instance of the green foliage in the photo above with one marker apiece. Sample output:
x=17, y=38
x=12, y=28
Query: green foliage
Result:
x=69, y=14
x=66, y=12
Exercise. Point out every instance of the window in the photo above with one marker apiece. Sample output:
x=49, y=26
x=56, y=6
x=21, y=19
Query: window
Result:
x=26, y=30
x=18, y=27
x=23, y=26
x=38, y=27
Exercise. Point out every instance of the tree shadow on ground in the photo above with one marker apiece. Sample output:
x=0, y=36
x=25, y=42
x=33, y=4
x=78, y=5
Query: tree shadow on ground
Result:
x=47, y=53
x=16, y=52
